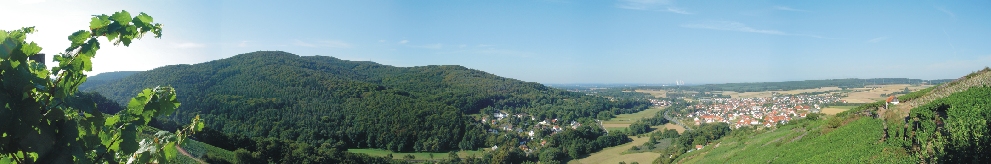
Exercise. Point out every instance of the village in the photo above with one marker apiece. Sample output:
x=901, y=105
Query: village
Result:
x=758, y=111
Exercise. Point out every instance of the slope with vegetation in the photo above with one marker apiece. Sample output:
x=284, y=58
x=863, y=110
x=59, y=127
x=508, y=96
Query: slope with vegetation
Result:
x=944, y=124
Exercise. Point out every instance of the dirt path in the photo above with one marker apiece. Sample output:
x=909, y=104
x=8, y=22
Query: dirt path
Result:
x=184, y=152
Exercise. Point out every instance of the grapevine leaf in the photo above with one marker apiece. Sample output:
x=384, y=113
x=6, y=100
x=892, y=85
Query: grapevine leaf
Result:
x=7, y=47
x=199, y=126
x=111, y=121
x=143, y=19
x=30, y=49
x=96, y=22
x=170, y=150
x=129, y=140
x=137, y=104
x=77, y=38
x=121, y=17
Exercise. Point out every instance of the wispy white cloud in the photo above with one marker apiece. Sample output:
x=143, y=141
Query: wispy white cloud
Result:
x=244, y=43
x=948, y=12
x=878, y=39
x=740, y=27
x=656, y=5
x=381, y=41
x=188, y=45
x=678, y=10
x=323, y=43
x=786, y=8
x=641, y=4
x=403, y=41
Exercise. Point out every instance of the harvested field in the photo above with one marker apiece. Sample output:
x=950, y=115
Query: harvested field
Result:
x=614, y=154
x=672, y=126
x=873, y=93
x=630, y=118
x=655, y=93
x=769, y=93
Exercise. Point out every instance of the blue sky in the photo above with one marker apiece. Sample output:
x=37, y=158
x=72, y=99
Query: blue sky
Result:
x=557, y=41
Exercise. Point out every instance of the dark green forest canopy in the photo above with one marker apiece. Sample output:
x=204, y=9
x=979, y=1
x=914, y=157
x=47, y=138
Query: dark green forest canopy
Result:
x=318, y=99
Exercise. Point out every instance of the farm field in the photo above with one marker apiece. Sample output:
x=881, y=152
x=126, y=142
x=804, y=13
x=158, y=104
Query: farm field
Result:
x=614, y=154
x=628, y=119
x=680, y=129
x=769, y=93
x=419, y=156
x=623, y=121
x=656, y=93
x=833, y=110
x=873, y=93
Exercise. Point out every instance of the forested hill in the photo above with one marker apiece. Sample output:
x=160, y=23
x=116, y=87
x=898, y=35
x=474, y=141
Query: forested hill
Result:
x=318, y=99
x=104, y=78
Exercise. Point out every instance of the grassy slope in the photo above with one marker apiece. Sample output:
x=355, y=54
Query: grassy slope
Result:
x=857, y=141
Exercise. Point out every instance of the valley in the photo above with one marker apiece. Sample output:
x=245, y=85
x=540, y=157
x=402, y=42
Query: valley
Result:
x=494, y=82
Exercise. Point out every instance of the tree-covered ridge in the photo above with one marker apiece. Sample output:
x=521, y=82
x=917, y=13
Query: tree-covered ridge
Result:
x=317, y=99
x=104, y=78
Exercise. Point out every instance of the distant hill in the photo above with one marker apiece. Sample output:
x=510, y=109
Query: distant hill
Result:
x=942, y=124
x=325, y=100
x=104, y=78
x=806, y=84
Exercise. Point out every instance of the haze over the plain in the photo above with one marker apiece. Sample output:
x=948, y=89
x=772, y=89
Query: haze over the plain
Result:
x=556, y=41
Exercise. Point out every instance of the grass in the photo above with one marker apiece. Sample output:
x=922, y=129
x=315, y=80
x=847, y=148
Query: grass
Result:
x=680, y=129
x=616, y=129
x=856, y=142
x=615, y=154
x=419, y=156
x=633, y=117
x=655, y=93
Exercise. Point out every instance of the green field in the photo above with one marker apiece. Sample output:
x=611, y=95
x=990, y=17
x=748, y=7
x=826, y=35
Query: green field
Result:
x=616, y=129
x=419, y=156
x=630, y=118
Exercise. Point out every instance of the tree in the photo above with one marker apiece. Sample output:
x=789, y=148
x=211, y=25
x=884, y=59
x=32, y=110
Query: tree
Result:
x=39, y=126
x=452, y=157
